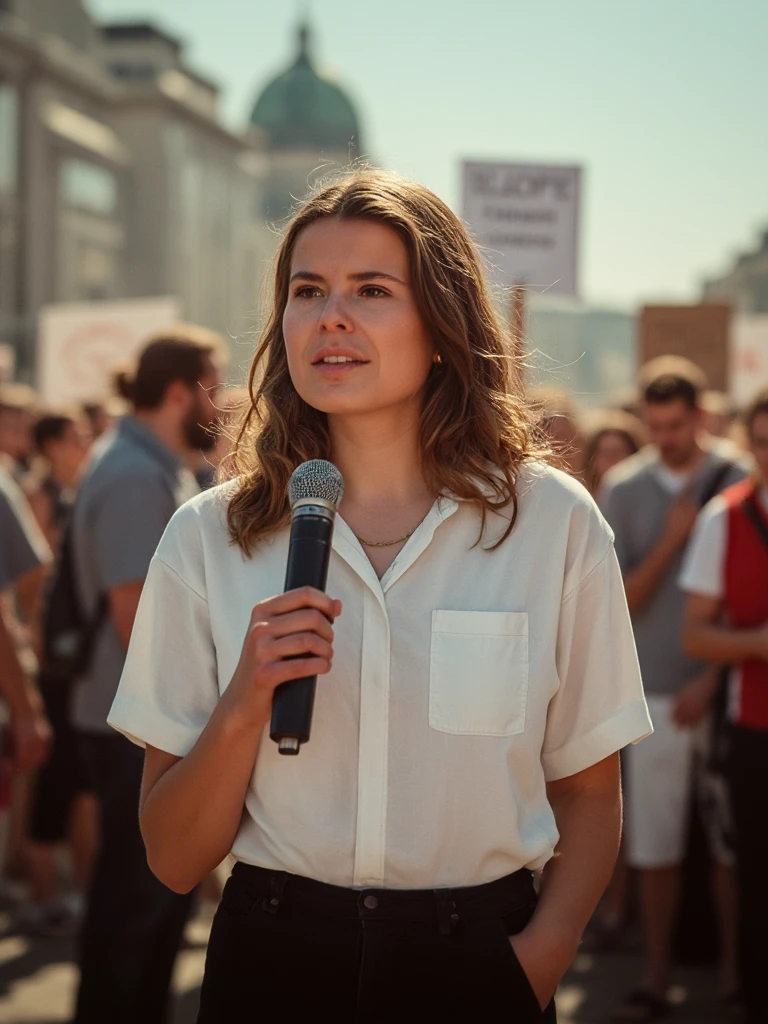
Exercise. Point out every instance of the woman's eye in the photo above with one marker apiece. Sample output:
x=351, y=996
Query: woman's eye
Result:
x=307, y=291
x=373, y=291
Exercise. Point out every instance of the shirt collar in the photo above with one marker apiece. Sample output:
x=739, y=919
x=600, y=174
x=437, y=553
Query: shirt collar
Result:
x=139, y=434
x=346, y=544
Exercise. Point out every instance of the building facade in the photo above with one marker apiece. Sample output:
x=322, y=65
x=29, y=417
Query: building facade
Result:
x=745, y=285
x=119, y=179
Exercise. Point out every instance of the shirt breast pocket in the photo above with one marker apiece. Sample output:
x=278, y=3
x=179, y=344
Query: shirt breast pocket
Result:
x=478, y=676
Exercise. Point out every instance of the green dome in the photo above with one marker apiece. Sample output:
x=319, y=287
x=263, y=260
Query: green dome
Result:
x=300, y=109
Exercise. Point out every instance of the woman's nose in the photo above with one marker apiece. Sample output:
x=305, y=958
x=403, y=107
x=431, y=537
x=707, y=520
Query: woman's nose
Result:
x=334, y=315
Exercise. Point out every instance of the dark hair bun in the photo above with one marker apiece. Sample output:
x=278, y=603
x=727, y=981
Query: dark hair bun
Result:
x=125, y=385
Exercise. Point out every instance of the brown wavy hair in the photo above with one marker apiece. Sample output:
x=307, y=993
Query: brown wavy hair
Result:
x=476, y=428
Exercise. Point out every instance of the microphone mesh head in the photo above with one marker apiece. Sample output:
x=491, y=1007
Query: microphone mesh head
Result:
x=316, y=479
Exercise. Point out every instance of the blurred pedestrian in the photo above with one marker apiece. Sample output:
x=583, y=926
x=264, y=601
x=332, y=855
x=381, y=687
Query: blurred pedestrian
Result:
x=627, y=399
x=726, y=622
x=61, y=442
x=62, y=807
x=103, y=416
x=23, y=555
x=17, y=414
x=560, y=423
x=718, y=413
x=134, y=484
x=231, y=401
x=613, y=436
x=651, y=500
x=453, y=780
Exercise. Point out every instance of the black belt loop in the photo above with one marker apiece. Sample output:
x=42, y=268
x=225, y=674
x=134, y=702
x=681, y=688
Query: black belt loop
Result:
x=271, y=903
x=447, y=916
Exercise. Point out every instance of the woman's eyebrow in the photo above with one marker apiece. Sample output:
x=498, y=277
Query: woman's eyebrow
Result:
x=305, y=275
x=363, y=275
x=369, y=275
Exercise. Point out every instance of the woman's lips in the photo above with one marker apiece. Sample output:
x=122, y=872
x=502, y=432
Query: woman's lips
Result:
x=337, y=369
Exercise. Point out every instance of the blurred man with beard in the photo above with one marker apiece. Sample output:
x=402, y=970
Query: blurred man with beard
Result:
x=133, y=923
x=651, y=501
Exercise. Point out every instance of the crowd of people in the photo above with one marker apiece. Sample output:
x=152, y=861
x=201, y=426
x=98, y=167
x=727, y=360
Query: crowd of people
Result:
x=71, y=842
x=679, y=476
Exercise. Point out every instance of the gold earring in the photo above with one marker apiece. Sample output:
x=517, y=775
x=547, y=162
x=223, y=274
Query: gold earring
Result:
x=437, y=358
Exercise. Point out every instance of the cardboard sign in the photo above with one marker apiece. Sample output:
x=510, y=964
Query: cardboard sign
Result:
x=526, y=219
x=749, y=357
x=699, y=333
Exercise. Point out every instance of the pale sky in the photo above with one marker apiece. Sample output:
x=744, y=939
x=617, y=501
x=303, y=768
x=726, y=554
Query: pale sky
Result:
x=663, y=102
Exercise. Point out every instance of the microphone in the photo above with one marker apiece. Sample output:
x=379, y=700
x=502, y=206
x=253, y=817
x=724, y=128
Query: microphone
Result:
x=314, y=493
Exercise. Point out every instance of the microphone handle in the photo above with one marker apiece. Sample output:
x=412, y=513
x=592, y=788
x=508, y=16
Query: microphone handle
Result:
x=309, y=553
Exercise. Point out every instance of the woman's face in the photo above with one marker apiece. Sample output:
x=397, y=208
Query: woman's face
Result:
x=354, y=338
x=68, y=452
x=612, y=448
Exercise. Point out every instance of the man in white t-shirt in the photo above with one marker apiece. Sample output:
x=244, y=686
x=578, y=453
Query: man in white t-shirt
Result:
x=726, y=622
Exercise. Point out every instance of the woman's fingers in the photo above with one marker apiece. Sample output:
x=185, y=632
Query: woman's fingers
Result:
x=291, y=636
x=292, y=600
x=305, y=620
x=296, y=668
x=300, y=643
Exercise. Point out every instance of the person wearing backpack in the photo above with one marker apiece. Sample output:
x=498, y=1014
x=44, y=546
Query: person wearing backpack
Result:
x=725, y=577
x=136, y=481
x=62, y=809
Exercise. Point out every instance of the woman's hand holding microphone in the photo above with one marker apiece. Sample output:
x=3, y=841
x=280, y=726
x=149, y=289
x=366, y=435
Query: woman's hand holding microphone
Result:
x=289, y=636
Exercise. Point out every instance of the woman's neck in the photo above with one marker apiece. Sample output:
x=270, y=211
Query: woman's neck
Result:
x=379, y=459
x=385, y=496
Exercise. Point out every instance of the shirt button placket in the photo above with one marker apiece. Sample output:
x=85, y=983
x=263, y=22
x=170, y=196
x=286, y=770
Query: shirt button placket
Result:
x=370, y=837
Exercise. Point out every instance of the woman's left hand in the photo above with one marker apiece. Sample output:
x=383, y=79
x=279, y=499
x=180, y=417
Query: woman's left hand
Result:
x=544, y=959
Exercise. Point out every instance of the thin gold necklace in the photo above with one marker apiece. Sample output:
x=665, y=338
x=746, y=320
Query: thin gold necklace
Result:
x=383, y=543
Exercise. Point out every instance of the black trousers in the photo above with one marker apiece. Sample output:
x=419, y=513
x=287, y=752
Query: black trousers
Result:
x=133, y=923
x=300, y=950
x=61, y=779
x=747, y=774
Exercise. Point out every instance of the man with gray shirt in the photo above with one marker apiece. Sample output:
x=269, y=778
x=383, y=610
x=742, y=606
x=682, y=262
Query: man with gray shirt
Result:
x=133, y=923
x=651, y=501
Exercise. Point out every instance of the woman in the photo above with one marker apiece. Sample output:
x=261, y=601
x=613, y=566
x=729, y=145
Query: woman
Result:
x=479, y=663
x=614, y=437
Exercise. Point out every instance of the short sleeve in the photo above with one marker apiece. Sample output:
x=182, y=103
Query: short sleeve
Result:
x=599, y=707
x=22, y=544
x=169, y=688
x=129, y=522
x=704, y=564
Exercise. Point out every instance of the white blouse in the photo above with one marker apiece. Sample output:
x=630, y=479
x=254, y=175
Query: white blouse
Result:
x=462, y=682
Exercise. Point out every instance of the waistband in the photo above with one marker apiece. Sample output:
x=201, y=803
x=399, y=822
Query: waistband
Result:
x=275, y=889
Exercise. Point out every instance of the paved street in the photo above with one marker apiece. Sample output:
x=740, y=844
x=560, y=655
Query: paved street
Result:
x=37, y=981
